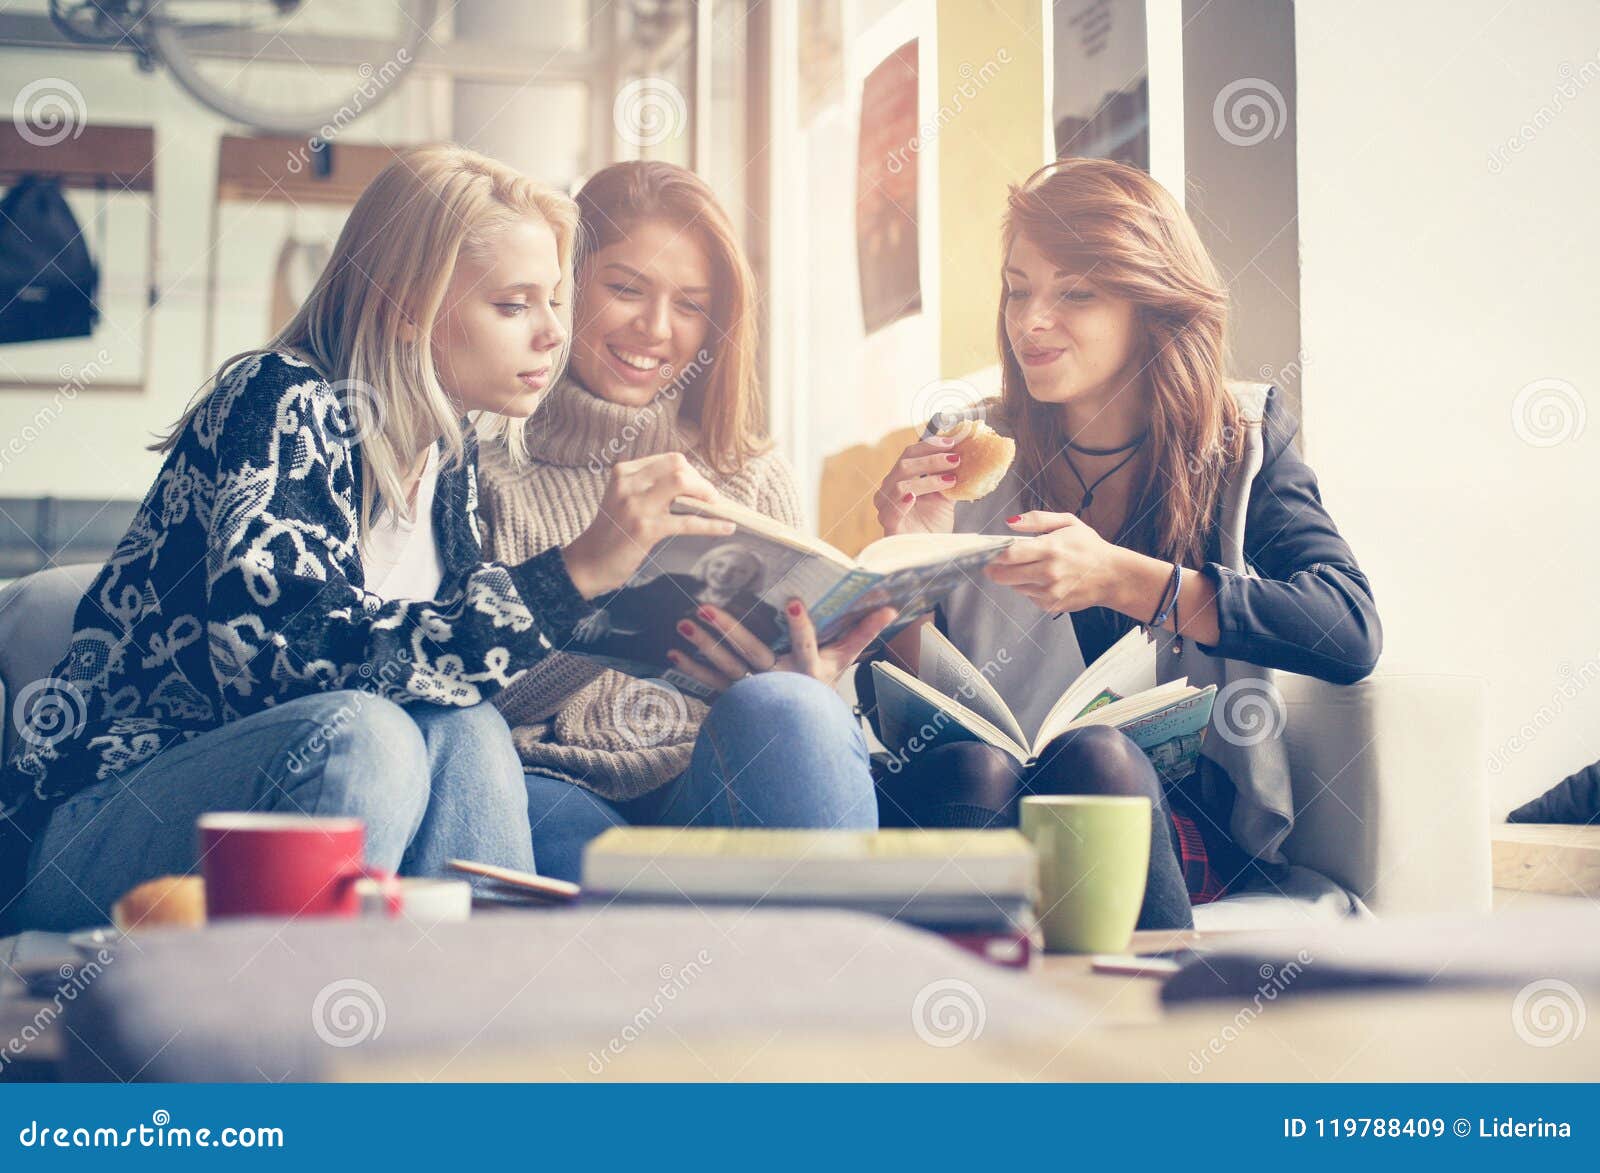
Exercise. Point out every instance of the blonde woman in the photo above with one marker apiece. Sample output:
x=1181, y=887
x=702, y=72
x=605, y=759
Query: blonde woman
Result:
x=299, y=618
x=663, y=361
x=1153, y=492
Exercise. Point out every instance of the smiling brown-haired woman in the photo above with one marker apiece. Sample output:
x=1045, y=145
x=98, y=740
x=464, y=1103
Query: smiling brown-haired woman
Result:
x=663, y=361
x=1160, y=495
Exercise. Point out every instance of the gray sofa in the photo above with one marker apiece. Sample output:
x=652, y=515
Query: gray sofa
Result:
x=1390, y=785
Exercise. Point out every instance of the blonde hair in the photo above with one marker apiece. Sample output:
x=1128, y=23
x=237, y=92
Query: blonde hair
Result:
x=1095, y=215
x=367, y=324
x=724, y=400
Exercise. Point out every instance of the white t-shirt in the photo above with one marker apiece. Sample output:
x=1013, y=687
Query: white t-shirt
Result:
x=401, y=560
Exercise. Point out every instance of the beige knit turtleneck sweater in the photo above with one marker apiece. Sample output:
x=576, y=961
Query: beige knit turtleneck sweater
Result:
x=603, y=730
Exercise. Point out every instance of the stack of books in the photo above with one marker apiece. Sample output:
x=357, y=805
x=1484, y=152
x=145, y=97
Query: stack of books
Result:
x=976, y=888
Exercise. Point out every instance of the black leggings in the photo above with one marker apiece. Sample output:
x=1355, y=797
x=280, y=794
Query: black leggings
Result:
x=970, y=784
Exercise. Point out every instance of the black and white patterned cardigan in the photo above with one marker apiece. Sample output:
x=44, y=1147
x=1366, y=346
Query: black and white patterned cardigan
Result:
x=239, y=586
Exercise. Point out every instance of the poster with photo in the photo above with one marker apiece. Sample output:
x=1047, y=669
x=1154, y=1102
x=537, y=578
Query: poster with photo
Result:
x=886, y=192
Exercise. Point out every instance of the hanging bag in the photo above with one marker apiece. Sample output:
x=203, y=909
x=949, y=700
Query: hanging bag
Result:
x=48, y=281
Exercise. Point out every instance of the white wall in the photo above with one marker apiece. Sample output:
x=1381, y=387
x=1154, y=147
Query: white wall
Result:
x=1240, y=175
x=93, y=444
x=1435, y=285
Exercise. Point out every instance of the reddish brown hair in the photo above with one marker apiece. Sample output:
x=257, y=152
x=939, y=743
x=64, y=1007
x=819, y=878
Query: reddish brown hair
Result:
x=1114, y=221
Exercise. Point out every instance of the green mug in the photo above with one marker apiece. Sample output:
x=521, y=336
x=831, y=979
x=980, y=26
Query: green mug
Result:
x=1094, y=856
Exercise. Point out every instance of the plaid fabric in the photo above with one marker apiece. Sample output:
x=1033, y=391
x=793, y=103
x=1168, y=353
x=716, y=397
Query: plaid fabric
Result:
x=1205, y=884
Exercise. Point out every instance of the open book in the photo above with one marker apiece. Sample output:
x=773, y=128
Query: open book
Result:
x=754, y=572
x=953, y=701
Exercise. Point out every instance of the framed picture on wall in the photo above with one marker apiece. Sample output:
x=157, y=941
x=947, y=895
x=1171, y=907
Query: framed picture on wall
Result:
x=886, y=192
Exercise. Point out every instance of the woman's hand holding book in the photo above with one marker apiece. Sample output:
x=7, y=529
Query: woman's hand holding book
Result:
x=635, y=514
x=733, y=652
x=1067, y=567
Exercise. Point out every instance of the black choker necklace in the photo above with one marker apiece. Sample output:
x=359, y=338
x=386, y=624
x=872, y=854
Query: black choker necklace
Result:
x=1131, y=448
x=1087, y=451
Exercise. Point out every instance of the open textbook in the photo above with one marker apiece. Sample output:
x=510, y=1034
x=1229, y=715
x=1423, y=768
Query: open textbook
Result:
x=951, y=700
x=754, y=572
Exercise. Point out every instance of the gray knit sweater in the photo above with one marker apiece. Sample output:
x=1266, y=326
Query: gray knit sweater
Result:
x=597, y=727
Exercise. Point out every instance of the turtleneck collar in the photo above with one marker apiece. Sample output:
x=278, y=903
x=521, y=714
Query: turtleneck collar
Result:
x=573, y=427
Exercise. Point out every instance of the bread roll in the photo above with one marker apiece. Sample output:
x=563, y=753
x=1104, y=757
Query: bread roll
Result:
x=985, y=456
x=165, y=900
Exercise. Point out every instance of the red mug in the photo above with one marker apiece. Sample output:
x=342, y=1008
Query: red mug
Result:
x=286, y=865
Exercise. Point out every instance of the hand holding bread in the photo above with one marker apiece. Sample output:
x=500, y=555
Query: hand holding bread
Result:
x=963, y=463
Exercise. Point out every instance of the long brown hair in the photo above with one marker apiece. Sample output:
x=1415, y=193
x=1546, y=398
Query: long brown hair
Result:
x=1094, y=215
x=724, y=399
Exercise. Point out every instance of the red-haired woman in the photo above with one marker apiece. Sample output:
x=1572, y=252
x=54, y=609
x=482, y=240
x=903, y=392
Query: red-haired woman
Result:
x=1154, y=492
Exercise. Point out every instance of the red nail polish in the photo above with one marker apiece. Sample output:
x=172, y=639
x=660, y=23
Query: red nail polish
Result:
x=685, y=628
x=1014, y=520
x=947, y=477
x=952, y=458
x=908, y=499
x=794, y=609
x=707, y=614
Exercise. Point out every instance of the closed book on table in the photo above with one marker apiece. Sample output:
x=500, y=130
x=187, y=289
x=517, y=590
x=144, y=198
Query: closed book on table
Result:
x=955, y=869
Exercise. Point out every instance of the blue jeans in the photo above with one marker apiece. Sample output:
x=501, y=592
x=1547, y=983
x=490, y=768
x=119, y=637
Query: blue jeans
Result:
x=431, y=783
x=777, y=750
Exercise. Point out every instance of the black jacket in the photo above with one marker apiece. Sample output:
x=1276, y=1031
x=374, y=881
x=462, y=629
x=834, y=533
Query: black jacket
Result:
x=1309, y=609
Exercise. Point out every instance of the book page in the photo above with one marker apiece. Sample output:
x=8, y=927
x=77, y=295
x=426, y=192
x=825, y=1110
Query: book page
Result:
x=759, y=523
x=913, y=717
x=1130, y=708
x=944, y=667
x=1126, y=668
x=905, y=551
x=912, y=591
